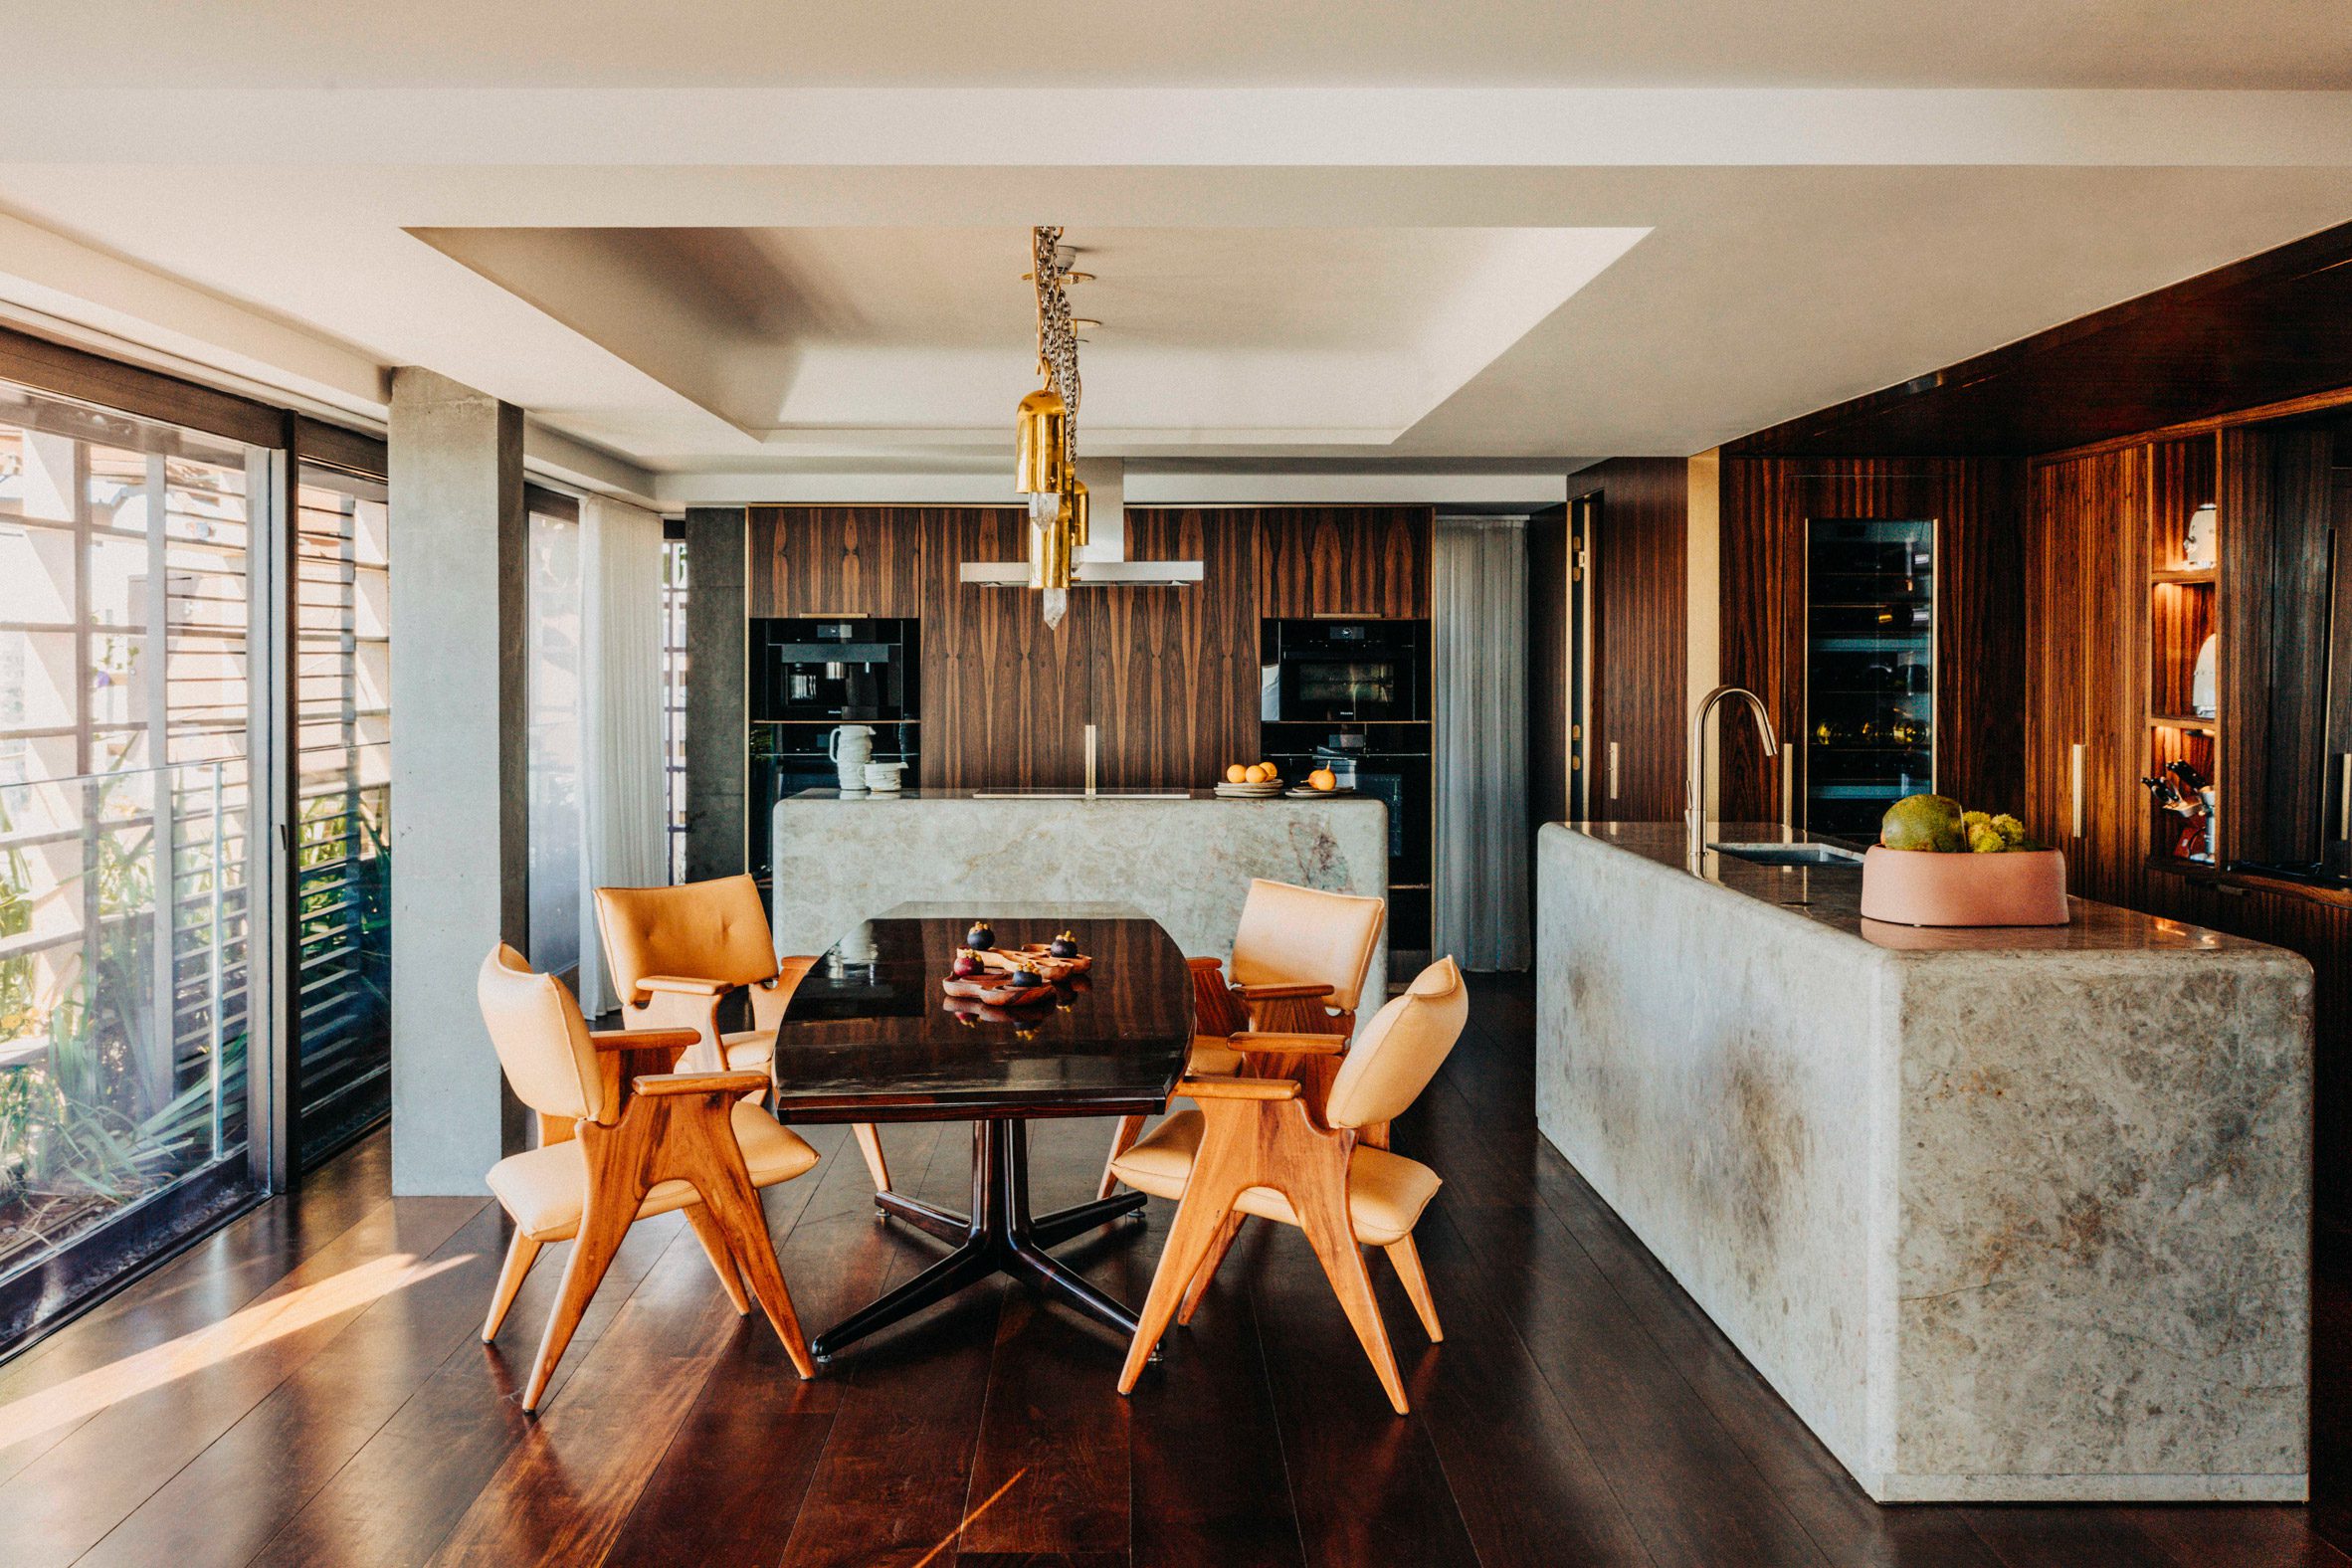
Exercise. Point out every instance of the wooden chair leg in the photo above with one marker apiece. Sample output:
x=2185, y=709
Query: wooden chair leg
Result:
x=1209, y=1266
x=715, y=1248
x=718, y=1175
x=1121, y=1140
x=1407, y=1259
x=521, y=1253
x=602, y=1229
x=1198, y=1220
x=1333, y=1238
x=870, y=1145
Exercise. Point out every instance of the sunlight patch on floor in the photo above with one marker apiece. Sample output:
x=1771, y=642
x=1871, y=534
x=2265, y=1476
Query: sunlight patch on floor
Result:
x=256, y=1325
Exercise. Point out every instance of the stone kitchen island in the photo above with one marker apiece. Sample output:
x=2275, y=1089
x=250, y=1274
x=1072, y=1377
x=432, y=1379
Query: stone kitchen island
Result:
x=2005, y=1214
x=1183, y=858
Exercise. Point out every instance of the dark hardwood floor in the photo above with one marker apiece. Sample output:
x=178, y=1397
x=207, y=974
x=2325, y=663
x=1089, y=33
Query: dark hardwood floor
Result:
x=306, y=1388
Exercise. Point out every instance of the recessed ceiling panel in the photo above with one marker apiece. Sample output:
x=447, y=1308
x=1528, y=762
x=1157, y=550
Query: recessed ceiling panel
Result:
x=1232, y=336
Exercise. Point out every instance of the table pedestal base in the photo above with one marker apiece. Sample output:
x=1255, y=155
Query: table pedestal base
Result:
x=997, y=1237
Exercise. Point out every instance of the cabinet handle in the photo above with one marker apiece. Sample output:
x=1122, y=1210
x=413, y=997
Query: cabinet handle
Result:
x=2344, y=802
x=1613, y=770
x=2078, y=750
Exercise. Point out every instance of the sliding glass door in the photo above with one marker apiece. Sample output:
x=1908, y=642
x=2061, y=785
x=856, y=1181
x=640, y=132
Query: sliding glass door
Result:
x=130, y=711
x=342, y=870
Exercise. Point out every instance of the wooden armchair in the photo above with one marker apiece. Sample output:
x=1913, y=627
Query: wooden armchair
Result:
x=1300, y=961
x=1258, y=1146
x=624, y=1136
x=678, y=953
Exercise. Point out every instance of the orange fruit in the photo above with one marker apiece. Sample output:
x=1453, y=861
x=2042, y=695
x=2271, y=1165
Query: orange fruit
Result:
x=1237, y=774
x=1323, y=778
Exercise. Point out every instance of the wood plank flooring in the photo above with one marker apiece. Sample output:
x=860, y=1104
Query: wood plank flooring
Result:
x=306, y=1388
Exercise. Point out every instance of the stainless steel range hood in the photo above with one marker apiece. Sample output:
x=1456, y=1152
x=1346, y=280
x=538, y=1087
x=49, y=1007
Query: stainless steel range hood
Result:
x=1101, y=562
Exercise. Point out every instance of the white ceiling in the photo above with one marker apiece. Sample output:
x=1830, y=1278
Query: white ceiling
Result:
x=1346, y=43
x=770, y=289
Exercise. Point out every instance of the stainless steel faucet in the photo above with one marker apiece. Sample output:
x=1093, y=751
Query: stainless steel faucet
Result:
x=1694, y=802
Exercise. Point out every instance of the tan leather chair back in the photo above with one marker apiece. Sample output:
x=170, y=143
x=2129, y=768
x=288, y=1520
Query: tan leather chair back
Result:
x=705, y=931
x=1401, y=1050
x=541, y=1039
x=1301, y=936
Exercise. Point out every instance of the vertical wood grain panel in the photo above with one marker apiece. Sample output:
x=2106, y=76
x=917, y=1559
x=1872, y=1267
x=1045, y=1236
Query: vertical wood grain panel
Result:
x=1345, y=560
x=839, y=560
x=1175, y=670
x=1641, y=650
x=1005, y=698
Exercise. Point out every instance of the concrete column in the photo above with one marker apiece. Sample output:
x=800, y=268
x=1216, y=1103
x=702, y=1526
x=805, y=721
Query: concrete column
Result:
x=460, y=730
x=717, y=703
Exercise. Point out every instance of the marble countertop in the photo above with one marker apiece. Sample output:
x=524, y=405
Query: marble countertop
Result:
x=1063, y=797
x=1831, y=896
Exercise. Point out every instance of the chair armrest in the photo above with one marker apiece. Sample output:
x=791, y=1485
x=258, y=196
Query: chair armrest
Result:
x=1236, y=1089
x=684, y=985
x=643, y=1039
x=1273, y=993
x=1205, y=965
x=731, y=1084
x=1276, y=1043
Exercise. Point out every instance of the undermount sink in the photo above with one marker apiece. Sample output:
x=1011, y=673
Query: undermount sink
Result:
x=1789, y=853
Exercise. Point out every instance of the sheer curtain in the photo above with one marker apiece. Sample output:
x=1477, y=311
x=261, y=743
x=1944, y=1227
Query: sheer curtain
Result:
x=624, y=828
x=1479, y=620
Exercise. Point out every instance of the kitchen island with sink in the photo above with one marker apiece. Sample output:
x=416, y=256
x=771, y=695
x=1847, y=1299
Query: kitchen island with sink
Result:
x=2016, y=1214
x=1182, y=857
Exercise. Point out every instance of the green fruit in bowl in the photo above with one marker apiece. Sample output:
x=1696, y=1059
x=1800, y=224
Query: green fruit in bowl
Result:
x=2011, y=831
x=1982, y=840
x=1924, y=822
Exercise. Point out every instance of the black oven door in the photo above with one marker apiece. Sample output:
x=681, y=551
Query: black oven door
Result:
x=1343, y=687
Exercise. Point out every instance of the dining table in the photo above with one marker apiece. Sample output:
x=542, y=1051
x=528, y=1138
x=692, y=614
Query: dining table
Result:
x=868, y=1035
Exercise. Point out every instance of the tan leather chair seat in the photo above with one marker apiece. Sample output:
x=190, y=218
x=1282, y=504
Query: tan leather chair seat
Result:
x=1385, y=1191
x=544, y=1188
x=1212, y=1055
x=751, y=1050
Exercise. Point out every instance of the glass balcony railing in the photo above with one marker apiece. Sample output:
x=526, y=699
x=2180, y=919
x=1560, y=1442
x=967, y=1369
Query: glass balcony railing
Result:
x=125, y=960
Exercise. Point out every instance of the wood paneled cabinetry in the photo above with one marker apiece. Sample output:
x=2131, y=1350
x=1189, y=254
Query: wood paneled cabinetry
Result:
x=1369, y=561
x=2084, y=694
x=840, y=560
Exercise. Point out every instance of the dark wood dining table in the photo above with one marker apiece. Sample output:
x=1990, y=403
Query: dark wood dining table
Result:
x=868, y=1036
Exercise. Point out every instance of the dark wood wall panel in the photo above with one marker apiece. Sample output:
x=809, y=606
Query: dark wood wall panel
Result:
x=2084, y=568
x=1168, y=675
x=1004, y=699
x=1766, y=502
x=1175, y=670
x=1548, y=590
x=1344, y=560
x=1640, y=627
x=840, y=560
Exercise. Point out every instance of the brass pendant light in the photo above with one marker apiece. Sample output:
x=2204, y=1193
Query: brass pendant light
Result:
x=1044, y=435
x=1041, y=444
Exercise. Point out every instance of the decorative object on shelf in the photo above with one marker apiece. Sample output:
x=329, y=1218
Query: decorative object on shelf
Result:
x=2204, y=682
x=2199, y=549
x=2182, y=790
x=883, y=777
x=981, y=937
x=1937, y=863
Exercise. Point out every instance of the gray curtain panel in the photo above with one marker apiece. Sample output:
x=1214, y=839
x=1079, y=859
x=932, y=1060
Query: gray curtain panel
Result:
x=1479, y=621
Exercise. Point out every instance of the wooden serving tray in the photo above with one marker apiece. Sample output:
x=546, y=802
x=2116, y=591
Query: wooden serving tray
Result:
x=1036, y=960
x=993, y=992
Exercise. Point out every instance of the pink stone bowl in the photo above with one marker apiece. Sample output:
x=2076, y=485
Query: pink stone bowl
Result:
x=1924, y=887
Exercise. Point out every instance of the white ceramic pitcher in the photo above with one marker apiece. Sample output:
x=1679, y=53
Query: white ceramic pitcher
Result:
x=851, y=745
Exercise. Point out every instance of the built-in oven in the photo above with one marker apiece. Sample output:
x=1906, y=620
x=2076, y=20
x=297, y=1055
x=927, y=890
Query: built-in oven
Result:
x=1341, y=671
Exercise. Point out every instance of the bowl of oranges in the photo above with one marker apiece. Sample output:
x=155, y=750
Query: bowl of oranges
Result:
x=1251, y=781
